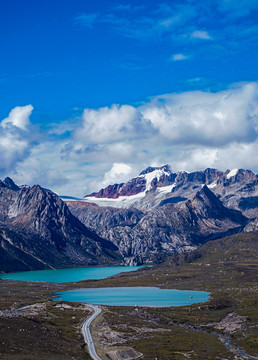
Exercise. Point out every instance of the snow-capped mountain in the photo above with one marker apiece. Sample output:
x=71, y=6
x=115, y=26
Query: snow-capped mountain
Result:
x=150, y=236
x=184, y=210
x=38, y=230
x=149, y=178
x=159, y=185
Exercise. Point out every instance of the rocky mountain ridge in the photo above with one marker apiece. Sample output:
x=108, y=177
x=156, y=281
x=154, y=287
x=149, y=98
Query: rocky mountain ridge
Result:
x=147, y=237
x=38, y=231
x=173, y=213
x=161, y=212
x=156, y=186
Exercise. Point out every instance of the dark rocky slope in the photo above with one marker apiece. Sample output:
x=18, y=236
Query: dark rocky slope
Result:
x=145, y=237
x=38, y=231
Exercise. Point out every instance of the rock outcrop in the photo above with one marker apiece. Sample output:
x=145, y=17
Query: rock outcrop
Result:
x=38, y=231
x=147, y=237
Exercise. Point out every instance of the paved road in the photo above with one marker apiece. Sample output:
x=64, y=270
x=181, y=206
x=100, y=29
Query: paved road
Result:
x=86, y=331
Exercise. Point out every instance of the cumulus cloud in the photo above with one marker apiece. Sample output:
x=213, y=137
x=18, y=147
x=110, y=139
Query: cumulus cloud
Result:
x=44, y=166
x=19, y=117
x=15, y=138
x=205, y=118
x=111, y=124
x=191, y=131
x=117, y=174
x=234, y=155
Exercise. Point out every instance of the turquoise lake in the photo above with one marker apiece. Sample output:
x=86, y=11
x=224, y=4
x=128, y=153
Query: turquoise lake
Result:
x=131, y=296
x=69, y=275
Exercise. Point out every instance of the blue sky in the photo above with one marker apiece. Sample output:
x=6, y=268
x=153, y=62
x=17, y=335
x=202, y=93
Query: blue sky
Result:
x=71, y=59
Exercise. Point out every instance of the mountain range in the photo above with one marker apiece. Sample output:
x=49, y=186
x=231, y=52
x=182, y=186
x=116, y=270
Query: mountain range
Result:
x=143, y=221
x=151, y=236
x=158, y=185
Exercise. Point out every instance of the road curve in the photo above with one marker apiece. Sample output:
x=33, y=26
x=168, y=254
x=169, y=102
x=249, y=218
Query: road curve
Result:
x=86, y=331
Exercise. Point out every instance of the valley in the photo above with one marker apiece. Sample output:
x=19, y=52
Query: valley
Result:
x=225, y=267
x=196, y=236
x=129, y=180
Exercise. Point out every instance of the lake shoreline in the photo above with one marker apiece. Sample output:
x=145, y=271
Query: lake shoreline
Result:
x=144, y=296
x=70, y=275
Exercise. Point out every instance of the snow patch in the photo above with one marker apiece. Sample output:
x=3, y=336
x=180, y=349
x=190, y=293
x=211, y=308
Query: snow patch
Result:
x=152, y=175
x=121, y=202
x=183, y=171
x=212, y=185
x=166, y=189
x=232, y=173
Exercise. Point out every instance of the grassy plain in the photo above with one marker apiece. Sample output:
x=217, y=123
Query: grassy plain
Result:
x=227, y=268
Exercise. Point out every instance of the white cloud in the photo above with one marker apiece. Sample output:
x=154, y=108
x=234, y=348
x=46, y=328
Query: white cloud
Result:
x=46, y=167
x=15, y=139
x=12, y=150
x=117, y=174
x=234, y=155
x=200, y=34
x=19, y=117
x=106, y=124
x=205, y=118
x=191, y=130
x=121, y=151
x=178, y=57
x=110, y=124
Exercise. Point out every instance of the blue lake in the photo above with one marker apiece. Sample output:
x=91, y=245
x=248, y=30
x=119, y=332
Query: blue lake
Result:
x=69, y=275
x=131, y=296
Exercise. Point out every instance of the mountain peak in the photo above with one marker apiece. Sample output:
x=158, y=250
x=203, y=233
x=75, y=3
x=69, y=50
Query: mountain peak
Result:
x=10, y=184
x=150, y=169
x=206, y=191
x=159, y=185
x=38, y=231
x=207, y=204
x=207, y=196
